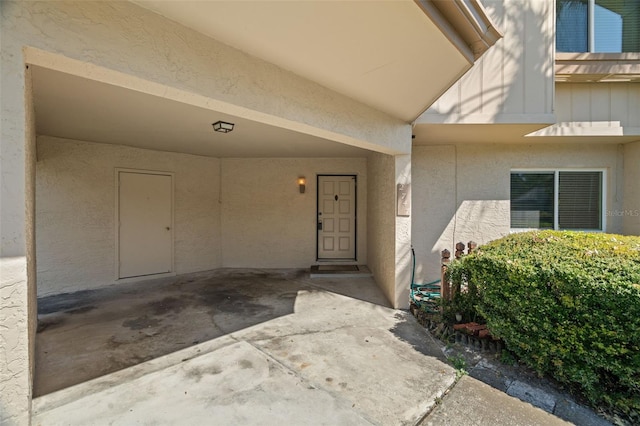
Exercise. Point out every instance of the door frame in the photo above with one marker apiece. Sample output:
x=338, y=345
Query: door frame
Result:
x=117, y=172
x=355, y=219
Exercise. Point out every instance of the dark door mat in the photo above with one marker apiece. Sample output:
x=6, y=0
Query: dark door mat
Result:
x=336, y=268
x=339, y=271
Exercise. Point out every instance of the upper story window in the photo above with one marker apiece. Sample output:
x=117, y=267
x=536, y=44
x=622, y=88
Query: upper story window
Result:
x=598, y=26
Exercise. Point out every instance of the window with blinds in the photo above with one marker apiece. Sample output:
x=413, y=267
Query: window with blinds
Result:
x=557, y=199
x=611, y=26
x=532, y=200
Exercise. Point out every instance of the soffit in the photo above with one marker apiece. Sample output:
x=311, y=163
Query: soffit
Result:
x=597, y=67
x=389, y=55
x=438, y=134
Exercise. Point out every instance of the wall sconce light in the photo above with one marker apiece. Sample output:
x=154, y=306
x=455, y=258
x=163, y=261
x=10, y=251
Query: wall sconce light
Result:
x=302, y=182
x=222, y=126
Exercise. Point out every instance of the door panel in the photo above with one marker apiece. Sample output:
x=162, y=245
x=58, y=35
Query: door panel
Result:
x=337, y=217
x=145, y=232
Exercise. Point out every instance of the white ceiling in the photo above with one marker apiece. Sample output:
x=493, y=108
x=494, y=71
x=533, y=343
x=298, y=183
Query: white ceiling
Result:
x=72, y=107
x=386, y=54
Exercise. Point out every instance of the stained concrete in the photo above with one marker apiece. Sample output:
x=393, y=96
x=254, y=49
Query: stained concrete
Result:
x=328, y=350
x=88, y=334
x=277, y=348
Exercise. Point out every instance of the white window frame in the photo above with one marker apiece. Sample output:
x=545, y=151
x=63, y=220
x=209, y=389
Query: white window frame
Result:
x=556, y=190
x=591, y=31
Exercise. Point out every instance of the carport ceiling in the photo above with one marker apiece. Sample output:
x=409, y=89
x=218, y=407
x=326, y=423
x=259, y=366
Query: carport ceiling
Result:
x=72, y=107
x=386, y=54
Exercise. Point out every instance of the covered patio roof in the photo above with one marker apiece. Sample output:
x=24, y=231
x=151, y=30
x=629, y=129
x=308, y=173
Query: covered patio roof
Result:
x=397, y=56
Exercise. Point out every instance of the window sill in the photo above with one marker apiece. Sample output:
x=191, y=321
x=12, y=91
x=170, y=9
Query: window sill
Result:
x=587, y=56
x=597, y=67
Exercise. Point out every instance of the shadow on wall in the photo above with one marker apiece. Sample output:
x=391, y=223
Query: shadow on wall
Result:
x=504, y=87
x=474, y=220
x=477, y=220
x=448, y=210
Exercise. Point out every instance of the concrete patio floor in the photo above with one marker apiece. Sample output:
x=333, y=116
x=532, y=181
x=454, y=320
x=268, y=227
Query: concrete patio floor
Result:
x=236, y=347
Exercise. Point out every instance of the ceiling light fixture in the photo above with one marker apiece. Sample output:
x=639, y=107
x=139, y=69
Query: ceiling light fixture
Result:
x=222, y=126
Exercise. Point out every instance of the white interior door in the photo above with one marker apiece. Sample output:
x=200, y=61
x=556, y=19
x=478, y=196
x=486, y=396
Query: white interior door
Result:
x=337, y=217
x=145, y=224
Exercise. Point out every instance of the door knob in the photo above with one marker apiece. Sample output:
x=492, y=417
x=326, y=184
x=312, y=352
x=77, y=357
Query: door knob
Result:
x=168, y=228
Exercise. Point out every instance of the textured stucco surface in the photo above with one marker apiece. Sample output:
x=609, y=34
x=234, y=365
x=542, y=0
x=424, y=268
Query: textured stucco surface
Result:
x=17, y=274
x=15, y=364
x=403, y=263
x=631, y=208
x=267, y=223
x=101, y=40
x=76, y=232
x=389, y=235
x=461, y=192
x=227, y=212
x=123, y=37
x=381, y=221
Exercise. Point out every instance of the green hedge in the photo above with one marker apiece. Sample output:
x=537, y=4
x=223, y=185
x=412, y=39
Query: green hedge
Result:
x=568, y=305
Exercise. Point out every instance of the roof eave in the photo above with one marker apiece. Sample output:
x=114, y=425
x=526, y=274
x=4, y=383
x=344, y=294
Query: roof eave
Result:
x=465, y=23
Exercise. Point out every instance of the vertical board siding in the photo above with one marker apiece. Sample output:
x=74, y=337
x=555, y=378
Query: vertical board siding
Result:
x=563, y=102
x=538, y=58
x=634, y=104
x=619, y=102
x=514, y=77
x=580, y=102
x=599, y=102
x=513, y=62
x=471, y=90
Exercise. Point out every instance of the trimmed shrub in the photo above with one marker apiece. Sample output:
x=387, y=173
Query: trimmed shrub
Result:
x=566, y=304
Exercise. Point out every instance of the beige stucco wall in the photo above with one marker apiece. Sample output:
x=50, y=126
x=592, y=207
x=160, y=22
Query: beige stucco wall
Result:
x=17, y=255
x=513, y=82
x=389, y=235
x=381, y=221
x=267, y=222
x=105, y=40
x=17, y=267
x=631, y=208
x=16, y=342
x=227, y=212
x=76, y=200
x=461, y=192
x=403, y=263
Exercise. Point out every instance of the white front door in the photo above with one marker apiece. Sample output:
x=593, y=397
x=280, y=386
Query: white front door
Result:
x=336, y=217
x=145, y=232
